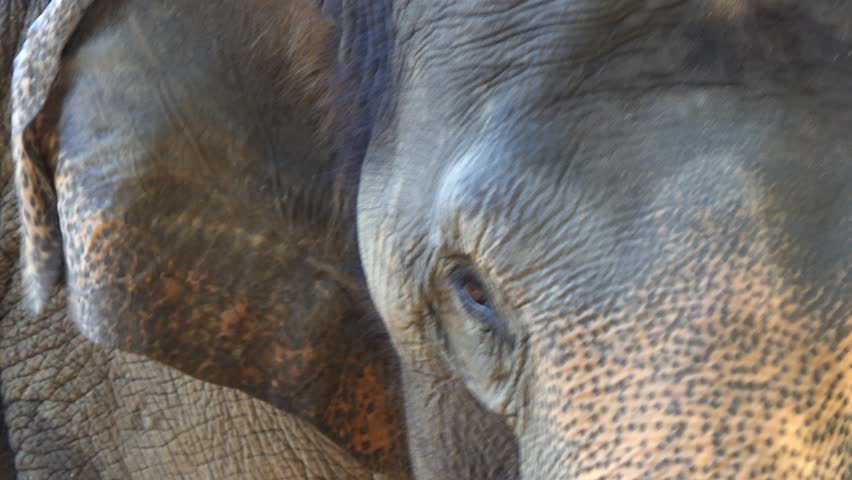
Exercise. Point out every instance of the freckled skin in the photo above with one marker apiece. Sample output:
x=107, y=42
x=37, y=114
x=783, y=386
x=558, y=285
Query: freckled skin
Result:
x=651, y=197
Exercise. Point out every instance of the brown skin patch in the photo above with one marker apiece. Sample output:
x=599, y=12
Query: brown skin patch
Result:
x=359, y=412
x=232, y=318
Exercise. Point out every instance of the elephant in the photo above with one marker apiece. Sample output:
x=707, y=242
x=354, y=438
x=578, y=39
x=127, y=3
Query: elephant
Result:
x=429, y=239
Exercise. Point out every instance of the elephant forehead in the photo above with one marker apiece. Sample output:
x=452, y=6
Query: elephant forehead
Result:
x=567, y=44
x=585, y=204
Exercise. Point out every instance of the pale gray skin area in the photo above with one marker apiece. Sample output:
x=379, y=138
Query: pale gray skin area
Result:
x=654, y=198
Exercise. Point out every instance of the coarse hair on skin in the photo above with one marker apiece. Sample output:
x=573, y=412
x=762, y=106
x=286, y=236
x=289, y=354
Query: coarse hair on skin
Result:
x=355, y=93
x=298, y=38
x=331, y=65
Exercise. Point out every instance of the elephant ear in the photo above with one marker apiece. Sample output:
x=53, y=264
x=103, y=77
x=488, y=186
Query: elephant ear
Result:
x=174, y=160
x=34, y=71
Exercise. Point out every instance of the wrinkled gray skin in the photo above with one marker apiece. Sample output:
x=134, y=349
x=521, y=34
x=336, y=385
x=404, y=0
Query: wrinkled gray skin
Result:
x=75, y=409
x=608, y=240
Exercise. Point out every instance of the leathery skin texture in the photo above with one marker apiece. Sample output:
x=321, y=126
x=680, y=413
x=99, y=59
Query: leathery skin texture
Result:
x=478, y=239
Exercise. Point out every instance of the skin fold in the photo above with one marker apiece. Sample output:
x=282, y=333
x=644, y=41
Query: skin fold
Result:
x=429, y=240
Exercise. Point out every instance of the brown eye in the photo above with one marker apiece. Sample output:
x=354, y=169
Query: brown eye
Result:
x=477, y=303
x=470, y=289
x=474, y=290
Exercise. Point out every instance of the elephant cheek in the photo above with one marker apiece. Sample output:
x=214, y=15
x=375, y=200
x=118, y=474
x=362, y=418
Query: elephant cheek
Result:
x=452, y=436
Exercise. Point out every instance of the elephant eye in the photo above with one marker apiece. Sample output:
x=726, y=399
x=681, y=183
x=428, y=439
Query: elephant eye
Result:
x=476, y=301
x=474, y=291
x=473, y=333
x=470, y=290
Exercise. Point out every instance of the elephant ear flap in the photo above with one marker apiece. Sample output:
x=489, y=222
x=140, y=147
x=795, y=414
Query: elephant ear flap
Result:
x=207, y=227
x=35, y=70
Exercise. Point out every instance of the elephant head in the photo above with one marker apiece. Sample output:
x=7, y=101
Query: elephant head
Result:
x=528, y=240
